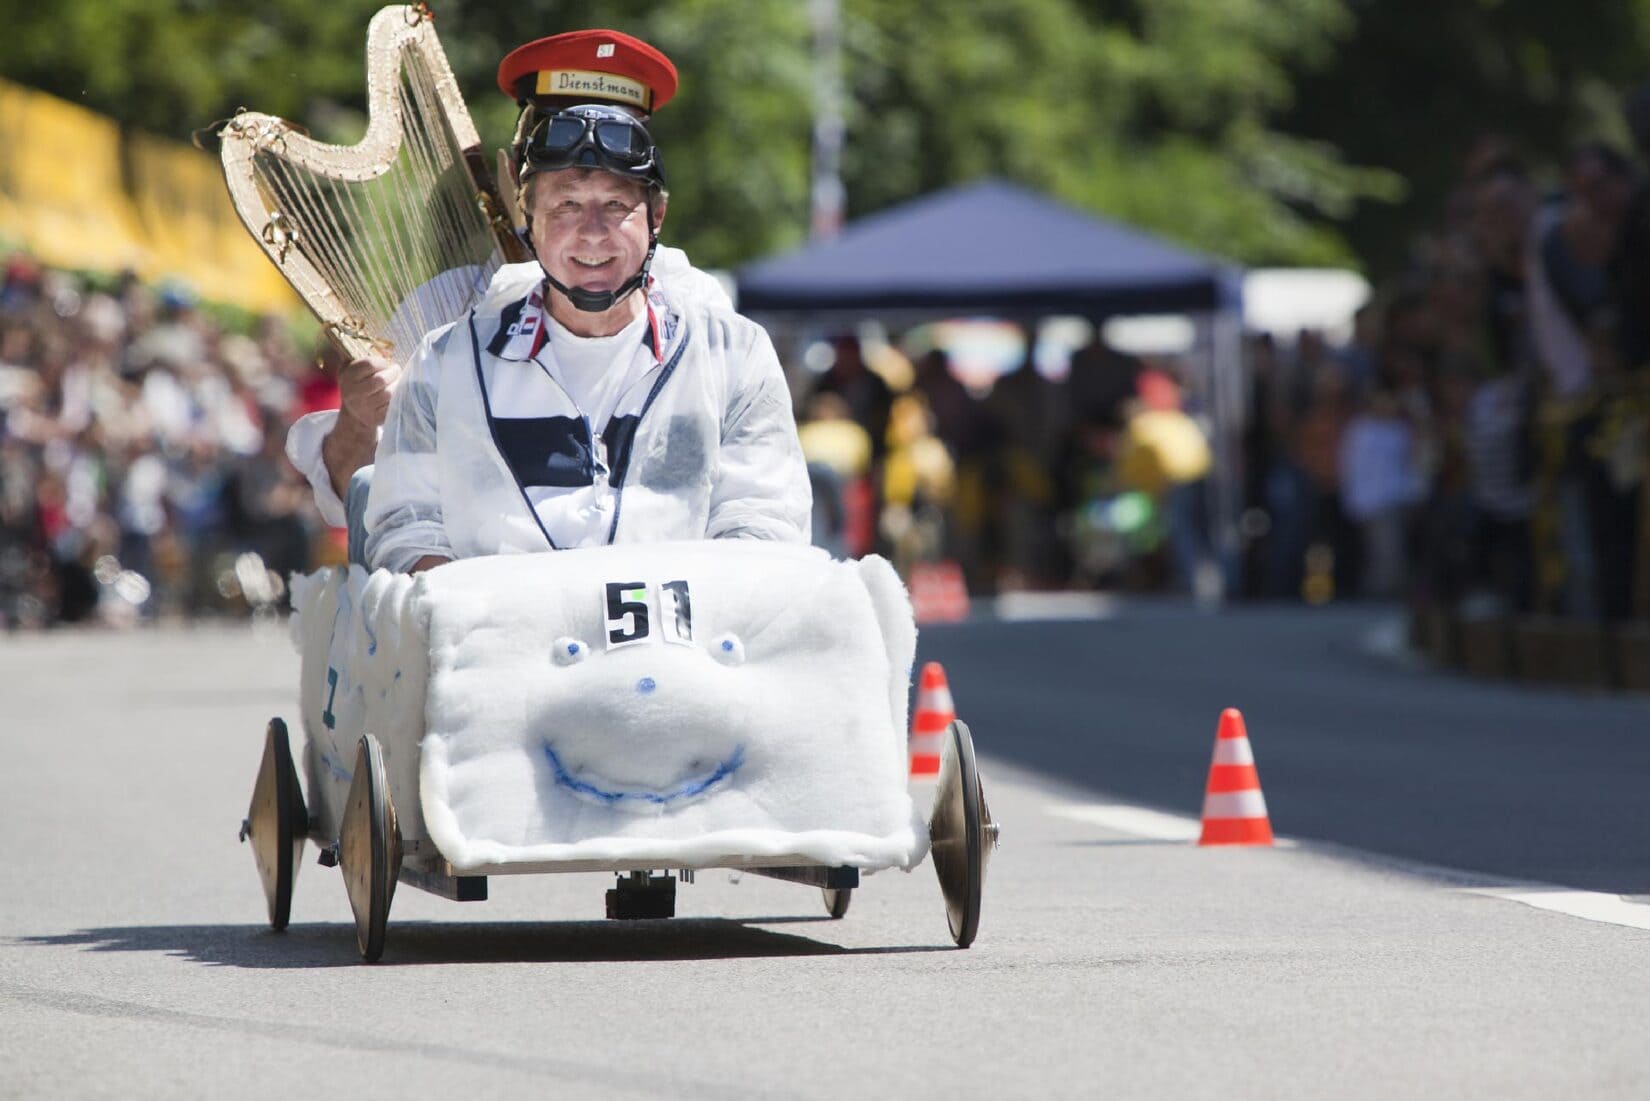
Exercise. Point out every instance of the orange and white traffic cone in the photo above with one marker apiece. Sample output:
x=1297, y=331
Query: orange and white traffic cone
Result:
x=934, y=713
x=1234, y=810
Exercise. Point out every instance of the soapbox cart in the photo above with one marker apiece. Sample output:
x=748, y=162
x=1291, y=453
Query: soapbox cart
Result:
x=412, y=779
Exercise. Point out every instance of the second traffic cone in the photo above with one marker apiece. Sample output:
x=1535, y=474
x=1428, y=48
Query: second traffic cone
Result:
x=934, y=713
x=1234, y=810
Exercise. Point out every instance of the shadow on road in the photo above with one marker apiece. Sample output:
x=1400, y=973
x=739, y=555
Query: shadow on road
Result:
x=425, y=943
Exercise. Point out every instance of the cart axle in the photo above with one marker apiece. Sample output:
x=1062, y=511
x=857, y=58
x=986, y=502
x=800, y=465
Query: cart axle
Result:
x=640, y=895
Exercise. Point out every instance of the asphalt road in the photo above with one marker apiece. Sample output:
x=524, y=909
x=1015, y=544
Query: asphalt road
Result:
x=1351, y=747
x=134, y=961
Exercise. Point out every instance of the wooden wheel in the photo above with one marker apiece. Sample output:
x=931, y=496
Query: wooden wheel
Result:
x=276, y=823
x=961, y=833
x=836, y=901
x=369, y=848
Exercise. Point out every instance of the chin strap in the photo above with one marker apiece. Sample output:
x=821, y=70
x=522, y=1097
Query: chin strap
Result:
x=602, y=301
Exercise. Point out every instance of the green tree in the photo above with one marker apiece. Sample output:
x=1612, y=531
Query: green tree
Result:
x=1236, y=126
x=1416, y=82
x=172, y=67
x=736, y=137
x=1157, y=112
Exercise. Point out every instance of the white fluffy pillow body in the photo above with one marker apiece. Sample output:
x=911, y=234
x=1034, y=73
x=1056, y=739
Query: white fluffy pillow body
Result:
x=678, y=705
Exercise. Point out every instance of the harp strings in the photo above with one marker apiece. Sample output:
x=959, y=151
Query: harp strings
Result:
x=457, y=216
x=401, y=247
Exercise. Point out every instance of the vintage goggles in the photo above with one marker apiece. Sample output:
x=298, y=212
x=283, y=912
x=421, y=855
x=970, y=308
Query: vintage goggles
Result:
x=592, y=137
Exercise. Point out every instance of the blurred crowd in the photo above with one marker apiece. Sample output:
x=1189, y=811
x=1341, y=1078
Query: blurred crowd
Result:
x=1477, y=444
x=1093, y=476
x=141, y=471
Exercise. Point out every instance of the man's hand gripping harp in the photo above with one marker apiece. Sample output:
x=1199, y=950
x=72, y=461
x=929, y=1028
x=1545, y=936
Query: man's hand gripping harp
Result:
x=389, y=238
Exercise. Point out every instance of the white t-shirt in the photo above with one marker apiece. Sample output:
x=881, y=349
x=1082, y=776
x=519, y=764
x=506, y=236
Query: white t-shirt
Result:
x=596, y=375
x=595, y=371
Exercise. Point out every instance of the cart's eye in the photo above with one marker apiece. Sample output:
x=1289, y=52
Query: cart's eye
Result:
x=569, y=651
x=727, y=649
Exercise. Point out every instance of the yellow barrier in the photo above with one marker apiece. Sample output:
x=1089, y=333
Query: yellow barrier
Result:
x=76, y=195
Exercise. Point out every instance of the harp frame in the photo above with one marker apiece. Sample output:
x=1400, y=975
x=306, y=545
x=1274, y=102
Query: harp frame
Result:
x=393, y=33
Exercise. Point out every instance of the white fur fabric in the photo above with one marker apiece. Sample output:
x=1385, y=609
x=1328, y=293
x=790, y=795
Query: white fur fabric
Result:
x=365, y=664
x=766, y=719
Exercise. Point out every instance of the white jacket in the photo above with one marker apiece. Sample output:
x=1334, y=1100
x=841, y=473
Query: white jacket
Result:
x=509, y=283
x=713, y=454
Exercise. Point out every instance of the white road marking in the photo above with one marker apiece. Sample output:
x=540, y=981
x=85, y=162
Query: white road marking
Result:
x=1133, y=820
x=1588, y=905
x=1014, y=607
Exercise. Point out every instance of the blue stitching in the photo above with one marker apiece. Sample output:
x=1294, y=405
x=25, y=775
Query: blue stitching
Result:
x=338, y=770
x=686, y=791
x=333, y=674
x=328, y=719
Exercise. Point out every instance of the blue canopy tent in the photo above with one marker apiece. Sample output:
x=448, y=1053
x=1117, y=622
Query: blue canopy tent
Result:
x=988, y=247
x=999, y=249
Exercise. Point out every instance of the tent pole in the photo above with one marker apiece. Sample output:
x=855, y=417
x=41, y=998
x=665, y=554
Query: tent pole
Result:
x=1219, y=354
x=1230, y=386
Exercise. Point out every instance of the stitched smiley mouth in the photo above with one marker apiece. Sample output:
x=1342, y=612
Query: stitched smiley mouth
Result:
x=612, y=794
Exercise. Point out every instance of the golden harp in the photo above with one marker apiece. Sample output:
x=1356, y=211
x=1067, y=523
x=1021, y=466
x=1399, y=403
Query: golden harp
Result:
x=393, y=236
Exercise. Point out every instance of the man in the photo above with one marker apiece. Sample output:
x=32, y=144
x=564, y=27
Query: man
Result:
x=579, y=70
x=598, y=406
x=1496, y=421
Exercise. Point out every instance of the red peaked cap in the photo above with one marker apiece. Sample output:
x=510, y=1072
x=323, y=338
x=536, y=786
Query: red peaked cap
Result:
x=574, y=65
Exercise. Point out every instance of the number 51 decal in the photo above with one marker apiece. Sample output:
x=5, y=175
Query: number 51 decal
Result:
x=629, y=612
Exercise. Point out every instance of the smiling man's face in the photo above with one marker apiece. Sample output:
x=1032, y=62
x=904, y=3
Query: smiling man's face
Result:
x=590, y=231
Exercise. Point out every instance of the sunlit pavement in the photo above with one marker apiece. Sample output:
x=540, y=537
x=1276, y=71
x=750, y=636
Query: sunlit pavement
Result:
x=1378, y=955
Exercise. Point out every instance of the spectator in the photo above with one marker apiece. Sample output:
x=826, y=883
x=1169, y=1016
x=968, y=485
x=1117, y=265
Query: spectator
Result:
x=1379, y=487
x=1316, y=452
x=1165, y=454
x=1630, y=259
x=919, y=479
x=1018, y=533
x=1571, y=322
x=126, y=416
x=955, y=414
x=868, y=397
x=838, y=453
